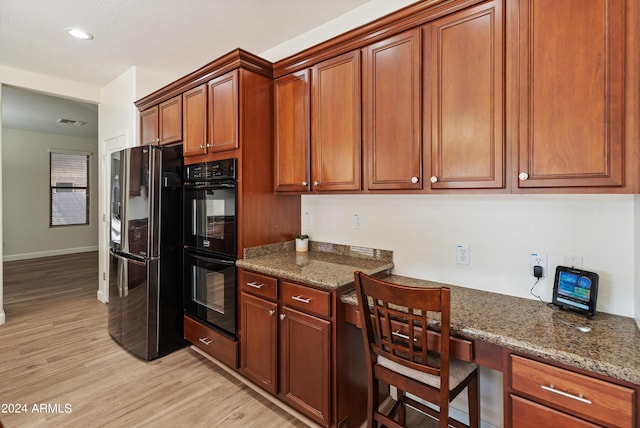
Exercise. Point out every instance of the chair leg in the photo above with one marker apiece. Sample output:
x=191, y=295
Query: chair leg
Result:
x=443, y=416
x=473, y=396
x=372, y=403
x=402, y=411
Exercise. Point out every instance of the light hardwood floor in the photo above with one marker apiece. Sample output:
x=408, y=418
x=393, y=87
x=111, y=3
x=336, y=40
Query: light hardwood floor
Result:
x=55, y=350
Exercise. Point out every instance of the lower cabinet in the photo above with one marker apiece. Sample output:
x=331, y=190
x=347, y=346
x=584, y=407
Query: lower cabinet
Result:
x=283, y=348
x=210, y=341
x=545, y=395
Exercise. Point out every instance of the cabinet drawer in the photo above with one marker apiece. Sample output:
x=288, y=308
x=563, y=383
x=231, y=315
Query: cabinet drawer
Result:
x=306, y=299
x=527, y=414
x=213, y=343
x=593, y=399
x=258, y=285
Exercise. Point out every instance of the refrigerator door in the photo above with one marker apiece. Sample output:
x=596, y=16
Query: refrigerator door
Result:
x=135, y=187
x=133, y=304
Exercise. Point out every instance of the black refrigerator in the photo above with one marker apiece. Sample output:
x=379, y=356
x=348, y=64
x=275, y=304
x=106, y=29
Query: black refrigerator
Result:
x=145, y=267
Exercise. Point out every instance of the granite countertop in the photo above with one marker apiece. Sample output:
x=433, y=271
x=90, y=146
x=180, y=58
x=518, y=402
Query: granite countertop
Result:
x=611, y=348
x=325, y=265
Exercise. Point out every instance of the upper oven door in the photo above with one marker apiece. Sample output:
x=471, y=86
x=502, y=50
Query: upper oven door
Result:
x=210, y=217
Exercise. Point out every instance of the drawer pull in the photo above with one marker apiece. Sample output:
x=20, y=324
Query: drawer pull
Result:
x=282, y=317
x=580, y=398
x=205, y=341
x=271, y=312
x=301, y=299
x=403, y=336
x=255, y=285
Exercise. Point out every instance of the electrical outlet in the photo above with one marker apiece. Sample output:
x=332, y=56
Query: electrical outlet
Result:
x=357, y=221
x=462, y=255
x=307, y=218
x=539, y=260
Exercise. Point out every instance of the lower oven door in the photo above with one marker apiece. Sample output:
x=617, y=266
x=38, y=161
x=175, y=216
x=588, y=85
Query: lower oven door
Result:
x=210, y=289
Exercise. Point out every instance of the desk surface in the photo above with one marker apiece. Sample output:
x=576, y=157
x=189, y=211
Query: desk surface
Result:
x=612, y=348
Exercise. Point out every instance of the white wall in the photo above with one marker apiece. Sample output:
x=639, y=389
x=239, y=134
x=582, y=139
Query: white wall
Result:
x=25, y=194
x=501, y=230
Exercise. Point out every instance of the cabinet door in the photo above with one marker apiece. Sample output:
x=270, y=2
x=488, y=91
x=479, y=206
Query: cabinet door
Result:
x=335, y=123
x=292, y=132
x=305, y=370
x=195, y=121
x=464, y=88
x=258, y=341
x=527, y=414
x=170, y=120
x=570, y=95
x=149, y=126
x=391, y=108
x=223, y=113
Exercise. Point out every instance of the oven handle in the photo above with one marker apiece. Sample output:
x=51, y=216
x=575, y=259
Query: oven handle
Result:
x=212, y=259
x=210, y=186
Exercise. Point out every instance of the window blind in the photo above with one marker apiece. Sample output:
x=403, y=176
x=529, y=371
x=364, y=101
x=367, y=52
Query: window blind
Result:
x=69, y=188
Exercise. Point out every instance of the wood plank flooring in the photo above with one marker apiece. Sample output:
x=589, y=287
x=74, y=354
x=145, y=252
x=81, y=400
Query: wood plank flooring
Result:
x=55, y=351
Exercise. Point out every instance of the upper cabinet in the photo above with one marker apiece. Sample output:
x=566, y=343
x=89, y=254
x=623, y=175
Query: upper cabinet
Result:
x=195, y=121
x=464, y=98
x=162, y=124
x=317, y=127
x=292, y=132
x=391, y=122
x=223, y=112
x=568, y=102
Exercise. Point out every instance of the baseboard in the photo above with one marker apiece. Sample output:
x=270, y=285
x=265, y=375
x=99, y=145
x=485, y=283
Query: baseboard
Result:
x=2, y=319
x=259, y=390
x=49, y=253
x=101, y=297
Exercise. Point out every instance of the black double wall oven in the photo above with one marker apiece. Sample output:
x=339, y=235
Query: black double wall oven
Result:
x=210, y=243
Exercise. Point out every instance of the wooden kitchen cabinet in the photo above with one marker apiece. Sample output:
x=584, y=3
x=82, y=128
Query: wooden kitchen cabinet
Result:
x=162, y=124
x=326, y=97
x=464, y=98
x=567, y=102
x=283, y=348
x=540, y=391
x=223, y=113
x=292, y=132
x=194, y=115
x=391, y=100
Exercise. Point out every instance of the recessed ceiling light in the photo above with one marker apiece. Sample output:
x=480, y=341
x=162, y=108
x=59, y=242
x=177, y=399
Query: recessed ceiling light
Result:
x=78, y=33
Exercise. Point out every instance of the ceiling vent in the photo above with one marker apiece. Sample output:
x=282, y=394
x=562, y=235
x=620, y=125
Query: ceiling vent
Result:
x=71, y=122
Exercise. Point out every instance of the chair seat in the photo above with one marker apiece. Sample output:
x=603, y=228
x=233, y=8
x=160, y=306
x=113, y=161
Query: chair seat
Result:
x=458, y=371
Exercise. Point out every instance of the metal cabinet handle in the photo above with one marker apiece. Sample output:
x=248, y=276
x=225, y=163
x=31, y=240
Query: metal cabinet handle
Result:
x=433, y=179
x=209, y=145
x=414, y=180
x=255, y=285
x=403, y=336
x=201, y=146
x=523, y=176
x=304, y=183
x=580, y=398
x=205, y=341
x=283, y=316
x=315, y=183
x=301, y=299
x=271, y=312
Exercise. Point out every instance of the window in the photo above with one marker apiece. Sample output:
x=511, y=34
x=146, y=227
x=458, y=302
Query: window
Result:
x=69, y=188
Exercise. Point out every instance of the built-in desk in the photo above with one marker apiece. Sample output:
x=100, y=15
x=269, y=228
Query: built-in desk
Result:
x=525, y=339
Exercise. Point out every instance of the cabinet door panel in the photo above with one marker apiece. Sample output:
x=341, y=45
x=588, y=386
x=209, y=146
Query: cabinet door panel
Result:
x=391, y=104
x=223, y=113
x=527, y=414
x=170, y=120
x=258, y=341
x=305, y=345
x=149, y=126
x=466, y=72
x=292, y=132
x=335, y=133
x=571, y=91
x=195, y=121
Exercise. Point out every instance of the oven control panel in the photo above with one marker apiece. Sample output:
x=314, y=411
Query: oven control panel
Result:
x=224, y=169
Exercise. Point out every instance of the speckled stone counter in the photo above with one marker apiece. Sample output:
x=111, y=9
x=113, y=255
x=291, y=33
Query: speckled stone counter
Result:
x=611, y=348
x=325, y=265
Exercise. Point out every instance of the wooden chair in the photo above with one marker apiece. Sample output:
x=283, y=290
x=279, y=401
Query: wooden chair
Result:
x=395, y=319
